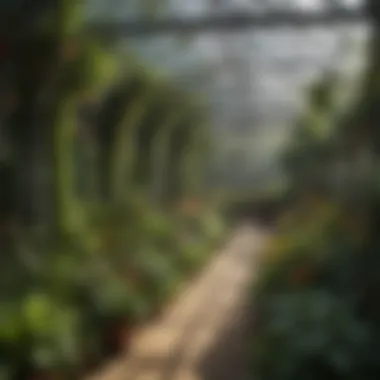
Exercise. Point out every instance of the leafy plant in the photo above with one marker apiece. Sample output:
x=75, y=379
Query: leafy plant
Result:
x=312, y=334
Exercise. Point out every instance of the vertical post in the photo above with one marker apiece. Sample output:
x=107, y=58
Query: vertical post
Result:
x=370, y=100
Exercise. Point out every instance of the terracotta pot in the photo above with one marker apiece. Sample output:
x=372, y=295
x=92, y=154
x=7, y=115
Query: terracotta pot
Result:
x=117, y=336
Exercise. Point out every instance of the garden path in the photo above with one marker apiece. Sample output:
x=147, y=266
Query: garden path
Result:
x=204, y=334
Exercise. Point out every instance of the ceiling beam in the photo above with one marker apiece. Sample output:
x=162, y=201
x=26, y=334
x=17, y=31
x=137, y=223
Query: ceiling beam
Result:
x=237, y=21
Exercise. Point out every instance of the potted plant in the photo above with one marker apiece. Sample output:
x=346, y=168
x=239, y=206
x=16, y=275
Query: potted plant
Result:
x=114, y=312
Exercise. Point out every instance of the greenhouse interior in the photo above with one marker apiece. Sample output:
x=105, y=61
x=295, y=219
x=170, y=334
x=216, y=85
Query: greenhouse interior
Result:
x=189, y=190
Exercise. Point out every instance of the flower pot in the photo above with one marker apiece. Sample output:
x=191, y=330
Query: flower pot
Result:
x=117, y=336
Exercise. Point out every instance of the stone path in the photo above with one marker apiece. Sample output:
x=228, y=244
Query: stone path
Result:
x=203, y=335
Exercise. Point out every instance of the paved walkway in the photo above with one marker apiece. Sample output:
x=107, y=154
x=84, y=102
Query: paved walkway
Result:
x=203, y=335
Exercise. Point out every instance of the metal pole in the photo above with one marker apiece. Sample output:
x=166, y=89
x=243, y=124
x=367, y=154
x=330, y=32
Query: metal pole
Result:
x=227, y=23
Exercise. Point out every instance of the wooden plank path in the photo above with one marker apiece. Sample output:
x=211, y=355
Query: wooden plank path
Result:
x=203, y=334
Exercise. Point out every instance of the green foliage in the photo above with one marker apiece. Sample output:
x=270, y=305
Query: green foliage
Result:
x=311, y=149
x=317, y=317
x=309, y=303
x=85, y=246
x=313, y=334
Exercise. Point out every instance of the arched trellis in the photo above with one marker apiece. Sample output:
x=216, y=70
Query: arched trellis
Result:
x=135, y=128
x=115, y=128
x=150, y=126
x=162, y=144
x=66, y=24
x=188, y=156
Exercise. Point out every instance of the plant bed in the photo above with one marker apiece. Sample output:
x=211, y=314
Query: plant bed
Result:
x=310, y=318
x=84, y=300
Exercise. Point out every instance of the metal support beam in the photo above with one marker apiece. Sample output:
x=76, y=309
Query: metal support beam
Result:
x=231, y=22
